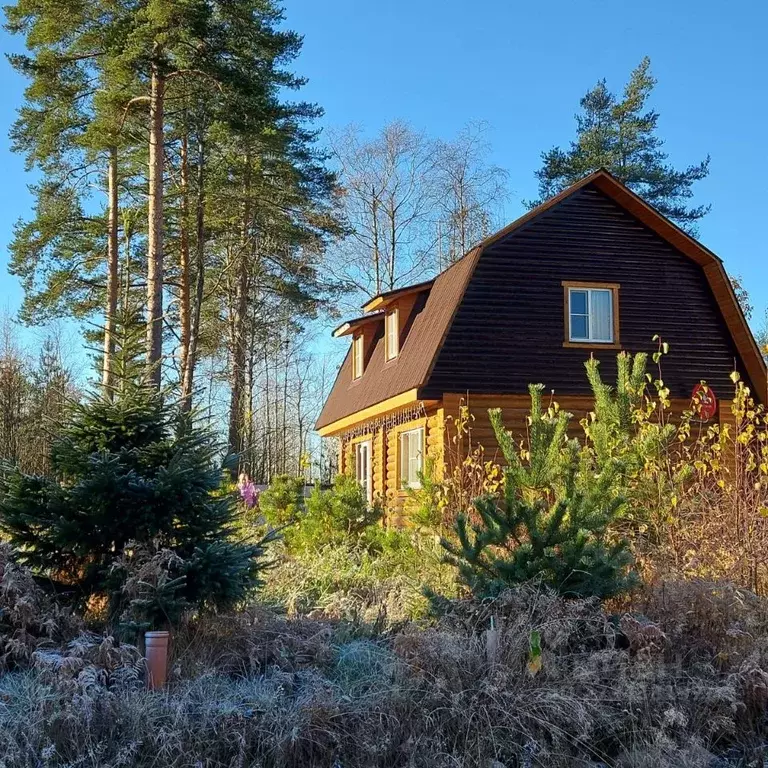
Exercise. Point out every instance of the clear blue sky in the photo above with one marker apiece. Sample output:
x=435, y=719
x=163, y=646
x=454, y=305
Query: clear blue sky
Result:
x=522, y=67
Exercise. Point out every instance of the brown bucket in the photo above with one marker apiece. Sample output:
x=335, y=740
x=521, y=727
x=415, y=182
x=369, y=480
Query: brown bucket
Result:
x=156, y=644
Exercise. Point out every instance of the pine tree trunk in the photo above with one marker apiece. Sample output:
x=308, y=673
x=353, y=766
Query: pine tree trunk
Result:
x=124, y=372
x=185, y=282
x=236, y=410
x=250, y=387
x=188, y=372
x=268, y=420
x=127, y=269
x=155, y=229
x=238, y=326
x=112, y=276
x=284, y=461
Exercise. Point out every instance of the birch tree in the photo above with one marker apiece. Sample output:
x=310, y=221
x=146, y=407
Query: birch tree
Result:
x=412, y=204
x=471, y=193
x=389, y=201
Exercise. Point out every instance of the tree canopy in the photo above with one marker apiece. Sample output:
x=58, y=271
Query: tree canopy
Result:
x=619, y=133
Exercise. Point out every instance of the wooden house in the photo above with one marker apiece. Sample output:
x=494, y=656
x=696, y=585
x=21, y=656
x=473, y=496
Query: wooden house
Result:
x=594, y=270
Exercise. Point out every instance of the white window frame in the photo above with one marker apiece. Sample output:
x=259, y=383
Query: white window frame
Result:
x=590, y=337
x=364, y=476
x=404, y=462
x=392, y=334
x=357, y=356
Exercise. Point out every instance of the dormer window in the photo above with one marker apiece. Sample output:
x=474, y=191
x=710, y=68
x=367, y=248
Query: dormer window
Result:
x=357, y=356
x=392, y=335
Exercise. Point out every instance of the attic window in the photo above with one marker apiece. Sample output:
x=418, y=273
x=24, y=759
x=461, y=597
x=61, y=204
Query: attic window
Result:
x=357, y=356
x=392, y=336
x=591, y=314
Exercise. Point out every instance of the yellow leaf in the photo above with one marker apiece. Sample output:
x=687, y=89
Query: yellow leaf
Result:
x=534, y=666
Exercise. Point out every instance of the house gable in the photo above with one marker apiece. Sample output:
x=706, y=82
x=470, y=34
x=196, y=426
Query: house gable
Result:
x=509, y=329
x=494, y=322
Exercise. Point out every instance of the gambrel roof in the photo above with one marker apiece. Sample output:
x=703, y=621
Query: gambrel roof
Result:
x=408, y=377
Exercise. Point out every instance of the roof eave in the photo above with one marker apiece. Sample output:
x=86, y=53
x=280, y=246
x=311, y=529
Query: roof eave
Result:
x=383, y=300
x=350, y=326
x=382, y=408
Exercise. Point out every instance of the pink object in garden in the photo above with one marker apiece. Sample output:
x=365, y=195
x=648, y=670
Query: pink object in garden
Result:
x=248, y=493
x=156, y=649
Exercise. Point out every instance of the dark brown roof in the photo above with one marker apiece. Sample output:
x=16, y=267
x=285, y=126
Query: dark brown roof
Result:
x=382, y=380
x=411, y=369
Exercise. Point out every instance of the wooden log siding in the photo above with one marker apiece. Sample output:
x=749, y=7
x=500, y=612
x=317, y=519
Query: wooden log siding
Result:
x=436, y=437
x=509, y=328
x=392, y=495
x=516, y=408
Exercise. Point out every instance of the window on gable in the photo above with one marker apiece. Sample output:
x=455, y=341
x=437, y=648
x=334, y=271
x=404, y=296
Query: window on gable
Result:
x=411, y=457
x=357, y=356
x=392, y=336
x=591, y=313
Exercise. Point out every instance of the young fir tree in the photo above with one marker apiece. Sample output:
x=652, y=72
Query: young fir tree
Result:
x=552, y=523
x=132, y=480
x=619, y=134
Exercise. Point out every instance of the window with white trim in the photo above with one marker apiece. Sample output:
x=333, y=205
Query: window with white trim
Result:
x=357, y=356
x=392, y=337
x=411, y=457
x=363, y=470
x=590, y=315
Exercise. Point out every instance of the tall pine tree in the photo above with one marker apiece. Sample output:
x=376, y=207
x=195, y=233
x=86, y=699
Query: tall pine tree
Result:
x=619, y=133
x=157, y=83
x=69, y=129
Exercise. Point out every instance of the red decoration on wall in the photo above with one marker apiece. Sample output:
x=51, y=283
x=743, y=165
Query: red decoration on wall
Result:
x=704, y=402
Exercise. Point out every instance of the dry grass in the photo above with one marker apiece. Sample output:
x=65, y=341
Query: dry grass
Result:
x=679, y=682
x=29, y=619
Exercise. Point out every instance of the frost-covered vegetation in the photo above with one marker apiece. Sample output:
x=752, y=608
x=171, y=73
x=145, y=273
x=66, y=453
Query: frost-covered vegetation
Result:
x=678, y=683
x=438, y=644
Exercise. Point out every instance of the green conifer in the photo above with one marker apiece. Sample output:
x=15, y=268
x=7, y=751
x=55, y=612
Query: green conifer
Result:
x=553, y=521
x=619, y=134
x=612, y=426
x=131, y=478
